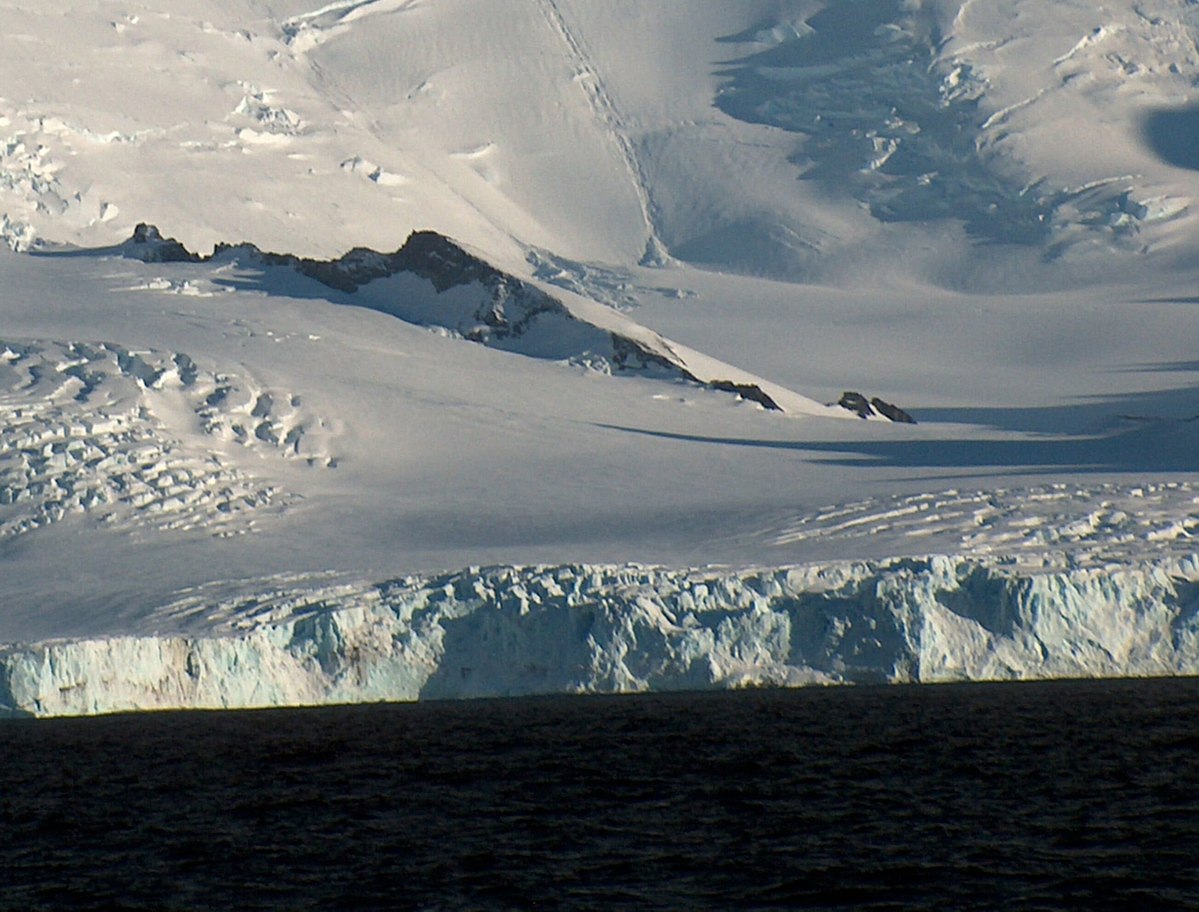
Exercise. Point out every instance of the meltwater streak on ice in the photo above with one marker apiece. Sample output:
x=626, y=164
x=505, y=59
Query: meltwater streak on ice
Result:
x=1054, y=796
x=594, y=629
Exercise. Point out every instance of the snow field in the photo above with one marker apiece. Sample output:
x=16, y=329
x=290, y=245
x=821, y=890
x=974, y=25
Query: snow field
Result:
x=1059, y=524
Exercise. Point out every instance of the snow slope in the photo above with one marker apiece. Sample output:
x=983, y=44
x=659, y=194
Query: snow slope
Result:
x=776, y=136
x=239, y=479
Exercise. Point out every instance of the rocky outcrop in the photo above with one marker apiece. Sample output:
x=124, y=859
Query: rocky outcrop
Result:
x=628, y=354
x=500, y=309
x=427, y=254
x=751, y=392
x=478, y=302
x=148, y=245
x=507, y=307
x=875, y=407
x=857, y=403
x=891, y=412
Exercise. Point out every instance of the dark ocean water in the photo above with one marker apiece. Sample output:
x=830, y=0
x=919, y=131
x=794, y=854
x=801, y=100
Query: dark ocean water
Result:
x=1016, y=796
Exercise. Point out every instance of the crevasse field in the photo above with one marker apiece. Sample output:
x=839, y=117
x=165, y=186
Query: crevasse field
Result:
x=581, y=432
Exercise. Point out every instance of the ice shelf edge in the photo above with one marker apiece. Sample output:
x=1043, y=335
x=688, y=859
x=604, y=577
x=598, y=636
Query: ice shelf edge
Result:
x=513, y=631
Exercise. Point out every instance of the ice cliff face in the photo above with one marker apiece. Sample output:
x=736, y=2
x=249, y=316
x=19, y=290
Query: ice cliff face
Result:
x=577, y=629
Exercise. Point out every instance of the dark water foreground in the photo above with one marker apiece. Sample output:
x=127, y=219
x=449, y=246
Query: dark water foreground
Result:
x=1015, y=796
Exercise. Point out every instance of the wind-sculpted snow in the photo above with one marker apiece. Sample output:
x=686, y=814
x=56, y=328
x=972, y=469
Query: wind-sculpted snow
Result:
x=885, y=114
x=558, y=125
x=136, y=437
x=612, y=287
x=861, y=83
x=312, y=29
x=30, y=165
x=1060, y=524
x=588, y=629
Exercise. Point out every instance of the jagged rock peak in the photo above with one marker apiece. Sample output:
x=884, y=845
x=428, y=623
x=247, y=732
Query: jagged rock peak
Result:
x=506, y=308
x=751, y=392
x=891, y=412
x=148, y=245
x=503, y=311
x=855, y=402
x=438, y=259
x=430, y=255
x=868, y=408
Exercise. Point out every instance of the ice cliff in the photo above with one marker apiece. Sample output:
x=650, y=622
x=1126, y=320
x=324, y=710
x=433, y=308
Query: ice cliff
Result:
x=585, y=629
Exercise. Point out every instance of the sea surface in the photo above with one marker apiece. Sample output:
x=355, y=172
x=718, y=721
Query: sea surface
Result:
x=1068, y=795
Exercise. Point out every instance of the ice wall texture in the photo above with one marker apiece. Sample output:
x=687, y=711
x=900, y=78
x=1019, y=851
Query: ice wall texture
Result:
x=591, y=629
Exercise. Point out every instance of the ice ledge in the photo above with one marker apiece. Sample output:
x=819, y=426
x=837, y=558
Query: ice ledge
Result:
x=585, y=629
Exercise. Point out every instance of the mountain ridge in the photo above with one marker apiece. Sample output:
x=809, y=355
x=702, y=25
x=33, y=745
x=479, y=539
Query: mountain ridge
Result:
x=508, y=308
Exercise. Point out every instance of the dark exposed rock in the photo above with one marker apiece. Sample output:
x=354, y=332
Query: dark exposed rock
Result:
x=348, y=272
x=865, y=408
x=628, y=354
x=426, y=254
x=507, y=306
x=893, y=412
x=514, y=306
x=434, y=257
x=749, y=391
x=148, y=245
x=855, y=402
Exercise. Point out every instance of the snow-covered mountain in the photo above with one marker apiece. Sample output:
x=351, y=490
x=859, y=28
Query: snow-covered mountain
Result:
x=592, y=294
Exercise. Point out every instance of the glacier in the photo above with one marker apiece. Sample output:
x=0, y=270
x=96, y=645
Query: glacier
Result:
x=252, y=479
x=511, y=631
